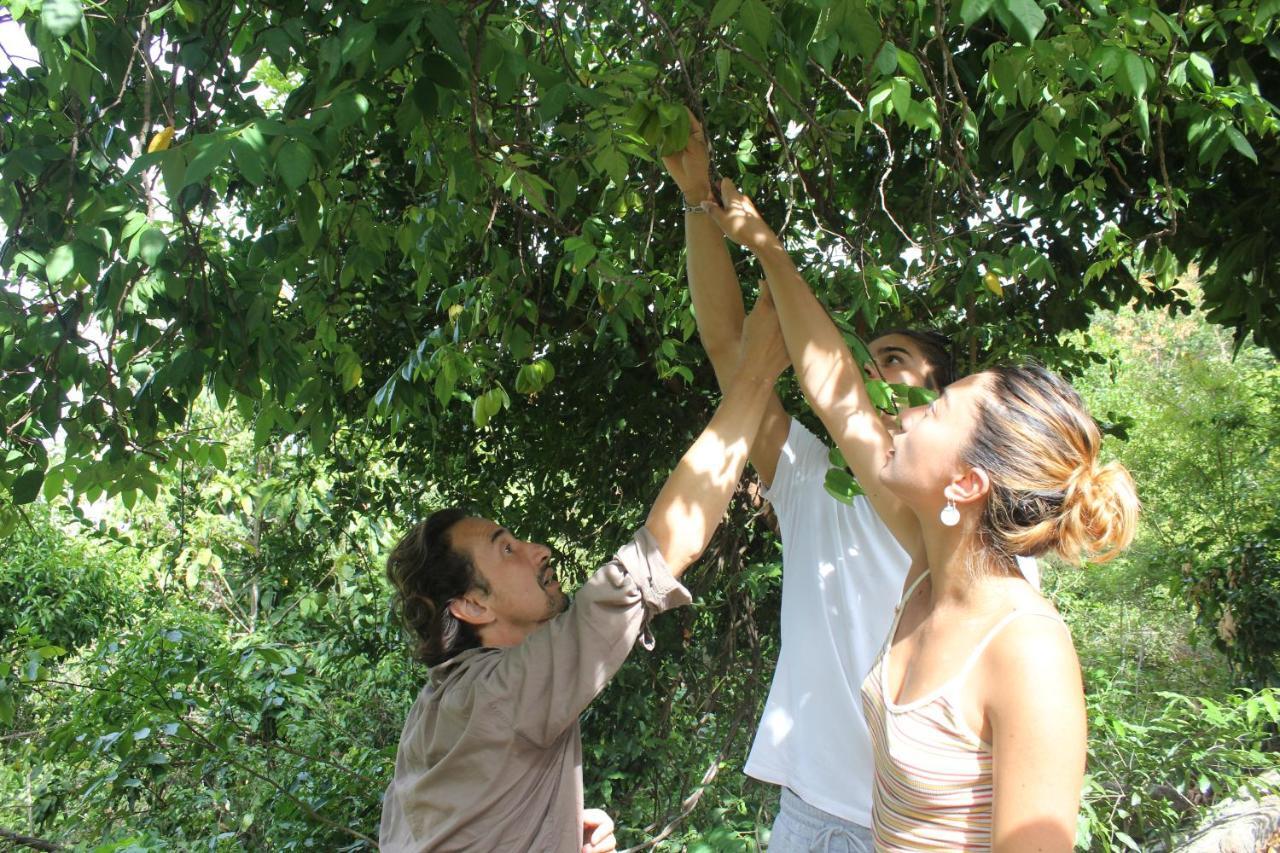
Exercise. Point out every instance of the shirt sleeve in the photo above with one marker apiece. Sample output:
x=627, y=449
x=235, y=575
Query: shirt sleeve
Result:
x=802, y=466
x=548, y=680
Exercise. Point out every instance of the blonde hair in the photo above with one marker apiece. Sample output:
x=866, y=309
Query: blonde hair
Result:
x=1039, y=446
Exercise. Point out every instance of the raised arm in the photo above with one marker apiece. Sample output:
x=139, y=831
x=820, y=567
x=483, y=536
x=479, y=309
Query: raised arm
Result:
x=717, y=294
x=696, y=494
x=829, y=376
x=579, y=650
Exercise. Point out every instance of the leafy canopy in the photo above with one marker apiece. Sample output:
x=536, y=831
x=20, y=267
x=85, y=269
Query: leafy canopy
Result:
x=427, y=219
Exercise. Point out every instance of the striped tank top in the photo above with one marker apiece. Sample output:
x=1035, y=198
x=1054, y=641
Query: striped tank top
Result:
x=933, y=788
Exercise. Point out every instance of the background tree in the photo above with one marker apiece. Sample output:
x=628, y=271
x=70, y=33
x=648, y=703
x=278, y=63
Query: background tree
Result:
x=1201, y=432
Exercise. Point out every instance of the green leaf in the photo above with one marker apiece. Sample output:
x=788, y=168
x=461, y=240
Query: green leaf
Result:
x=911, y=67
x=307, y=210
x=53, y=482
x=423, y=96
x=1201, y=69
x=99, y=238
x=27, y=486
x=824, y=51
x=675, y=136
x=915, y=396
x=61, y=261
x=151, y=243
x=841, y=485
x=293, y=164
x=1133, y=75
x=611, y=162
x=864, y=28
x=444, y=29
x=757, y=21
x=551, y=102
x=534, y=189
x=519, y=341
x=347, y=109
x=532, y=378
x=722, y=67
x=1044, y=136
x=1238, y=142
x=250, y=161
x=8, y=709
x=1023, y=18
x=900, y=96
x=1143, y=114
x=1267, y=10
x=1021, y=144
x=972, y=10
x=1004, y=73
x=881, y=395
x=887, y=60
x=173, y=168
x=441, y=71
x=349, y=369
x=356, y=42
x=60, y=17
x=210, y=152
x=723, y=11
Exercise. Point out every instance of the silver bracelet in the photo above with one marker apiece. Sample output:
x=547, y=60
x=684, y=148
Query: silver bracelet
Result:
x=694, y=208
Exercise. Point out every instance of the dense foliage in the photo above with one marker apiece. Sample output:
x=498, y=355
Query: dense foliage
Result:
x=410, y=217
x=1201, y=427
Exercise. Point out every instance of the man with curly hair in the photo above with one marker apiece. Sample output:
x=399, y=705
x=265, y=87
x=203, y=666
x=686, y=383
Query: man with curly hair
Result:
x=490, y=757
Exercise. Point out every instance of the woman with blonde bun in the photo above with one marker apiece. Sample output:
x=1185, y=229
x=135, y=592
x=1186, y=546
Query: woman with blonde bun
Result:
x=975, y=705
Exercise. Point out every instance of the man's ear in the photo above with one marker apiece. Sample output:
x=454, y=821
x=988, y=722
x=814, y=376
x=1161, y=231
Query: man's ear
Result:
x=470, y=610
x=973, y=485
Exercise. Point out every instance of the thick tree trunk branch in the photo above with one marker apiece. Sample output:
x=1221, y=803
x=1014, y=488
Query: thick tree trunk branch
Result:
x=29, y=841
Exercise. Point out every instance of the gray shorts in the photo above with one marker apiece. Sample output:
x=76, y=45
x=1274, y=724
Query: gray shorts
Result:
x=802, y=828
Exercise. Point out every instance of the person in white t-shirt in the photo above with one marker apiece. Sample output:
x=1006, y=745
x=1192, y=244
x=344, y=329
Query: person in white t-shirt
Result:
x=843, y=571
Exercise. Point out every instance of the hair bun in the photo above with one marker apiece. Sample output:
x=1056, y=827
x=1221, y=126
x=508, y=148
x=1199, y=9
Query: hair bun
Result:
x=1099, y=512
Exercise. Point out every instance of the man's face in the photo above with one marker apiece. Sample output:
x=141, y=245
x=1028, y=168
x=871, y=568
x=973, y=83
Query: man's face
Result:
x=523, y=590
x=898, y=359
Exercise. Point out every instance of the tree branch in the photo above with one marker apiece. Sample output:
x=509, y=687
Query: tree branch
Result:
x=29, y=841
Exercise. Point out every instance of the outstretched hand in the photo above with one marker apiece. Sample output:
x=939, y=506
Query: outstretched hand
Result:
x=690, y=167
x=739, y=219
x=764, y=352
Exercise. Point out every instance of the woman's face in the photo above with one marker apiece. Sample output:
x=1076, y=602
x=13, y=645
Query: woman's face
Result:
x=926, y=452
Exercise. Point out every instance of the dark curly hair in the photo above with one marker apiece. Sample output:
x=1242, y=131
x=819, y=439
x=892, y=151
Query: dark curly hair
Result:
x=427, y=573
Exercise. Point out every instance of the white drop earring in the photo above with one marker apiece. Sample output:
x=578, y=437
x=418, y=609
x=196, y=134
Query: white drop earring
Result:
x=950, y=516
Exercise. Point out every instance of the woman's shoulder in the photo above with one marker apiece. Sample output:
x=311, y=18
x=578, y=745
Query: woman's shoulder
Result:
x=1033, y=647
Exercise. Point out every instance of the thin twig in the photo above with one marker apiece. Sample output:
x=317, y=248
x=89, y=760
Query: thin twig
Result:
x=888, y=145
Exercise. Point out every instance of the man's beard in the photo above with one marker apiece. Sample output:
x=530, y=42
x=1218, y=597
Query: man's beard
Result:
x=562, y=605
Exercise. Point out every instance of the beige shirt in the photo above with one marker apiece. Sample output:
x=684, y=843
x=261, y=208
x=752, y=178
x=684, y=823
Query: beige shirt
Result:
x=490, y=758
